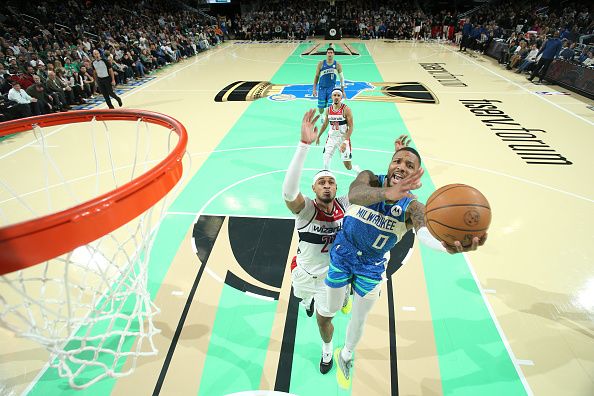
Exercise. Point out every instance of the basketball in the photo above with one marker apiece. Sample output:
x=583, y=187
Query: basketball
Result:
x=457, y=212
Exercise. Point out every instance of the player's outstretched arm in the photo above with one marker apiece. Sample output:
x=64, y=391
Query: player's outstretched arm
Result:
x=293, y=198
x=415, y=214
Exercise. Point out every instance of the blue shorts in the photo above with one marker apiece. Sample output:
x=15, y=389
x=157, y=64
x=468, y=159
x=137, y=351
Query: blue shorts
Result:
x=325, y=97
x=347, y=267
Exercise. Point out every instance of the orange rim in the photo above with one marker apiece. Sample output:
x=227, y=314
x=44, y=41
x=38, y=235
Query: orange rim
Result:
x=37, y=240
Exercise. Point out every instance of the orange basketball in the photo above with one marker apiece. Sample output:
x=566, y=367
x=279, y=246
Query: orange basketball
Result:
x=457, y=212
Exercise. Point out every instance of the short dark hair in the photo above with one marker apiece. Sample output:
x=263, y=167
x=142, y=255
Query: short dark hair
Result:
x=412, y=150
x=330, y=49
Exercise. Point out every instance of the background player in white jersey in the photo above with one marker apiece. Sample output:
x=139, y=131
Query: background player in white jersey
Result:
x=317, y=222
x=340, y=118
x=382, y=210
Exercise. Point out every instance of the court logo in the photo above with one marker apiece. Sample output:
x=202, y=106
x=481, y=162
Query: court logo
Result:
x=319, y=49
x=394, y=92
x=396, y=210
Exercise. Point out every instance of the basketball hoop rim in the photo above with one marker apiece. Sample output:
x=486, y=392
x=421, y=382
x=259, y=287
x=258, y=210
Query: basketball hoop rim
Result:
x=37, y=240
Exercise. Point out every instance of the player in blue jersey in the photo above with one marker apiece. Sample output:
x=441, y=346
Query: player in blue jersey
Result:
x=326, y=77
x=382, y=210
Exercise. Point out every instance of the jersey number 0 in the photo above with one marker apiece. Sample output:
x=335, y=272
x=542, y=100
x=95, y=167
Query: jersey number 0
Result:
x=380, y=241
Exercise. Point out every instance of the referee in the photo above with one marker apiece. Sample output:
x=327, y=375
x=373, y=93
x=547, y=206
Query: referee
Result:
x=105, y=78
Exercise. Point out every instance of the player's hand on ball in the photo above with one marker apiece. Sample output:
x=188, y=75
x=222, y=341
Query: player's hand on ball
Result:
x=402, y=141
x=458, y=248
x=309, y=132
x=403, y=187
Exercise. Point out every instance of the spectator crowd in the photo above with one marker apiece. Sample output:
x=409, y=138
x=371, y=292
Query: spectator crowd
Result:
x=46, y=48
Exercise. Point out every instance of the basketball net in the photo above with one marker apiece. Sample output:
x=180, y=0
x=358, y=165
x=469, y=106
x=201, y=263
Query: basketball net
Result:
x=90, y=307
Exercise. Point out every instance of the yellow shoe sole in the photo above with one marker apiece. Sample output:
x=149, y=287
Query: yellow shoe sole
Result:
x=343, y=382
x=347, y=308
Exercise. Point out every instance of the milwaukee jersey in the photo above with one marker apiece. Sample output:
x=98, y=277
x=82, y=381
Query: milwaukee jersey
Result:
x=327, y=75
x=317, y=230
x=372, y=231
x=337, y=120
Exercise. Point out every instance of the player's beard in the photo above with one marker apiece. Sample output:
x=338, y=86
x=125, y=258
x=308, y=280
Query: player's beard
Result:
x=325, y=200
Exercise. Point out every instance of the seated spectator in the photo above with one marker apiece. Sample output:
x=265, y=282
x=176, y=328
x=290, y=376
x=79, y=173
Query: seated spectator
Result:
x=37, y=91
x=77, y=83
x=4, y=80
x=136, y=65
x=41, y=71
x=56, y=88
x=88, y=82
x=529, y=60
x=566, y=52
x=520, y=54
x=590, y=60
x=26, y=105
x=70, y=67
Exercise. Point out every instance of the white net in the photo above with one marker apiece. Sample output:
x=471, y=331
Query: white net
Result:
x=90, y=308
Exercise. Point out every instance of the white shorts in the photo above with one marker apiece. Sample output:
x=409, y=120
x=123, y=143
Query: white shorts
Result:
x=417, y=29
x=333, y=143
x=306, y=286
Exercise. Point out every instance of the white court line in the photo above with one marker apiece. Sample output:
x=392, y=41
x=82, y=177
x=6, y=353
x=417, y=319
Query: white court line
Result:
x=124, y=95
x=206, y=153
x=33, y=142
x=163, y=77
x=498, y=327
x=230, y=186
x=214, y=275
x=47, y=365
x=522, y=362
x=478, y=168
x=230, y=215
x=258, y=296
x=409, y=309
x=522, y=87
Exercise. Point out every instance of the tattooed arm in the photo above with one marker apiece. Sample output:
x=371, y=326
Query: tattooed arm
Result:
x=366, y=189
x=415, y=215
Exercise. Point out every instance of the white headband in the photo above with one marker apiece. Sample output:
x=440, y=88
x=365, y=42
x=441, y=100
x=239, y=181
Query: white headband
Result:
x=323, y=173
x=337, y=89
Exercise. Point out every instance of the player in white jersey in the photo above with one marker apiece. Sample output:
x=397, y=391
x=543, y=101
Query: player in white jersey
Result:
x=340, y=118
x=317, y=222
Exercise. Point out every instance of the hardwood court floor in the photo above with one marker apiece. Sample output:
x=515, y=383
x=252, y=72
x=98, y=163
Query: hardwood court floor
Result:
x=514, y=318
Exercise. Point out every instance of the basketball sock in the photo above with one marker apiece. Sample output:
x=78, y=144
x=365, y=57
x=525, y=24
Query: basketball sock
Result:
x=327, y=351
x=346, y=354
x=327, y=160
